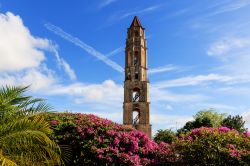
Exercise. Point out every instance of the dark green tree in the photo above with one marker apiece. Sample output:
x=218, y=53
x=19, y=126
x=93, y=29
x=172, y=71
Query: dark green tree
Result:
x=197, y=123
x=167, y=136
x=234, y=122
x=205, y=118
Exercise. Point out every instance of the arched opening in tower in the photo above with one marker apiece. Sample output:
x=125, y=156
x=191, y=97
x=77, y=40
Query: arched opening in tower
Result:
x=129, y=59
x=136, y=75
x=136, y=58
x=136, y=95
x=128, y=77
x=136, y=117
x=136, y=33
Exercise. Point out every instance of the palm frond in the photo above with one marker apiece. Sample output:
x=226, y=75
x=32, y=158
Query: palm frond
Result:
x=23, y=130
x=5, y=161
x=66, y=153
x=13, y=95
x=35, y=122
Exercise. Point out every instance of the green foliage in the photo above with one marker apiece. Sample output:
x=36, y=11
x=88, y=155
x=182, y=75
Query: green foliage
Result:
x=197, y=123
x=234, y=122
x=23, y=130
x=205, y=118
x=167, y=136
x=215, y=117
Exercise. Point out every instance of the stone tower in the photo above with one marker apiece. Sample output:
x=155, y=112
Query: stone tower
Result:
x=136, y=96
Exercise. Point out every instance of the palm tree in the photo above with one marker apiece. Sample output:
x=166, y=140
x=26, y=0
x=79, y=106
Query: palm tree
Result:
x=24, y=131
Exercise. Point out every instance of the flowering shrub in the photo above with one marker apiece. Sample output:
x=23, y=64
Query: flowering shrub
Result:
x=214, y=146
x=97, y=141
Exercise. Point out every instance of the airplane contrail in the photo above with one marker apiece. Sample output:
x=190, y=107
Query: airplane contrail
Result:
x=58, y=31
x=116, y=51
x=162, y=69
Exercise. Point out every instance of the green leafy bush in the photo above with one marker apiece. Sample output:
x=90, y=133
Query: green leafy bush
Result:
x=204, y=118
x=234, y=122
x=167, y=136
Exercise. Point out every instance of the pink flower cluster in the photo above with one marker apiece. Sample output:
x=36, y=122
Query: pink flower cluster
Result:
x=207, y=130
x=233, y=151
x=246, y=134
x=54, y=122
x=221, y=140
x=103, y=141
x=132, y=148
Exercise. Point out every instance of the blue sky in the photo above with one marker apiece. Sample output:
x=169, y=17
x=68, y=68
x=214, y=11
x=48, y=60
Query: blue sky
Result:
x=72, y=54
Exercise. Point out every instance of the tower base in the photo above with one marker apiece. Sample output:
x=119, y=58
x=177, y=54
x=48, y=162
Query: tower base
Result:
x=144, y=128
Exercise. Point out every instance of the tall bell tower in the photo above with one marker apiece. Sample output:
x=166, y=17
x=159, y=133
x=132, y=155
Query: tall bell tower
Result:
x=136, y=96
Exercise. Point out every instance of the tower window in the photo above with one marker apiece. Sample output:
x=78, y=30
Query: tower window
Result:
x=136, y=95
x=128, y=76
x=129, y=59
x=136, y=53
x=136, y=33
x=136, y=58
x=136, y=117
x=136, y=76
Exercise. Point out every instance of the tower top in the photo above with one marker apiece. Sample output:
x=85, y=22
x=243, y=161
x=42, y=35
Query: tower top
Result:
x=135, y=22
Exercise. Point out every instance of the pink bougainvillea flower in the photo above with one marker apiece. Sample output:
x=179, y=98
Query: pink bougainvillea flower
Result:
x=246, y=134
x=231, y=146
x=224, y=129
x=54, y=122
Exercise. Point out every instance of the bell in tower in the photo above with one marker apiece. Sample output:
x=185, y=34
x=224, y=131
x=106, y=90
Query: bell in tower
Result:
x=136, y=97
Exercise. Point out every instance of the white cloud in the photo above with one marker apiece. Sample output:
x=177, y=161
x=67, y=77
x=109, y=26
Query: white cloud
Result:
x=235, y=90
x=169, y=107
x=223, y=48
x=165, y=121
x=191, y=81
x=107, y=92
x=170, y=120
x=161, y=95
x=23, y=55
x=230, y=7
x=109, y=114
x=38, y=79
x=246, y=117
x=234, y=54
x=217, y=106
x=18, y=48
